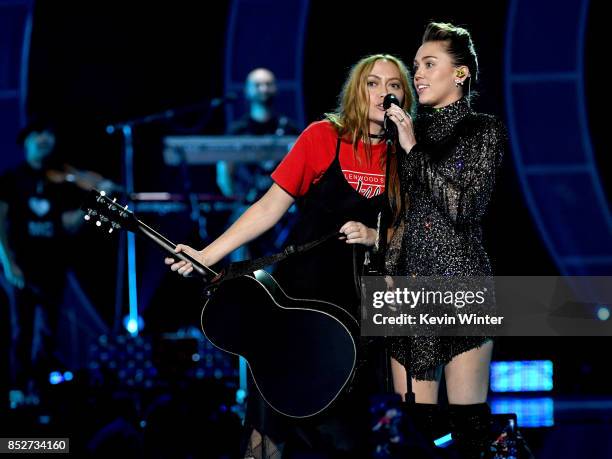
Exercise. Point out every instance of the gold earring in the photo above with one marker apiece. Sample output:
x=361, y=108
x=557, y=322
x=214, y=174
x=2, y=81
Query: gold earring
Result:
x=460, y=73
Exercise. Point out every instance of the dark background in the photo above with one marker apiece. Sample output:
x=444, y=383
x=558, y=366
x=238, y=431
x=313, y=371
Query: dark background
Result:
x=96, y=63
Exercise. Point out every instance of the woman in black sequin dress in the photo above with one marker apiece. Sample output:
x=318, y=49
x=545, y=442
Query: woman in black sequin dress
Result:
x=447, y=175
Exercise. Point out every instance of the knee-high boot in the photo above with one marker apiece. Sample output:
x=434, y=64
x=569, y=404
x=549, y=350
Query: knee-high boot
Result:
x=428, y=419
x=471, y=429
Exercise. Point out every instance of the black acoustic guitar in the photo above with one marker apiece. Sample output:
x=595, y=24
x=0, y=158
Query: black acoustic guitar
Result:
x=301, y=352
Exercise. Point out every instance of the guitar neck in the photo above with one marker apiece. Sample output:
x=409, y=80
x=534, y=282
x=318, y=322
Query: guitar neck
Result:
x=169, y=247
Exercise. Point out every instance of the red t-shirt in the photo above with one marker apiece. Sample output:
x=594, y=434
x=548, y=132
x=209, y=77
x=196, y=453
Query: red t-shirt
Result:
x=314, y=151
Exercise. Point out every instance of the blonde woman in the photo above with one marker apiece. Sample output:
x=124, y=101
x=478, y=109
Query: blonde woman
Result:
x=335, y=173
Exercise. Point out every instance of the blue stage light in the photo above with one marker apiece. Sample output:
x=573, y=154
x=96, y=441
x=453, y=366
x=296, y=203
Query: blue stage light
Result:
x=522, y=376
x=444, y=441
x=55, y=377
x=68, y=376
x=530, y=412
x=133, y=325
x=16, y=398
x=603, y=313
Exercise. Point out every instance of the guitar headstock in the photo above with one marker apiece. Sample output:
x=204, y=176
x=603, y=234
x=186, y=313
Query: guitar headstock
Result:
x=107, y=213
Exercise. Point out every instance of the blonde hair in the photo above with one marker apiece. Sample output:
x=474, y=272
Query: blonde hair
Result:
x=351, y=116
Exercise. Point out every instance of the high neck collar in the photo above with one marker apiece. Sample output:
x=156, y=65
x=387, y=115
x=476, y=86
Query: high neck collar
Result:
x=435, y=124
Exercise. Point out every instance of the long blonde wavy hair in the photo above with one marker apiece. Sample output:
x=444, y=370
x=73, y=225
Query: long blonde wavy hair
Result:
x=352, y=122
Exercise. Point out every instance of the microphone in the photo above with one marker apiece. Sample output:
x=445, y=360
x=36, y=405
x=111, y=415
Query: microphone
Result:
x=389, y=126
x=228, y=98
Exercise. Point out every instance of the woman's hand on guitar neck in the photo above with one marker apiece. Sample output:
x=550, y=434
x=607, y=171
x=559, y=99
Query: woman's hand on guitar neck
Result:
x=258, y=218
x=185, y=268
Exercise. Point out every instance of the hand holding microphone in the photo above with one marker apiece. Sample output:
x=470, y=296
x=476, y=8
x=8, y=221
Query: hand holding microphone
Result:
x=398, y=123
x=390, y=128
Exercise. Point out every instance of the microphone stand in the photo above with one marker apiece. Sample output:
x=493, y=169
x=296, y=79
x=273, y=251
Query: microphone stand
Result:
x=409, y=396
x=126, y=129
x=382, y=244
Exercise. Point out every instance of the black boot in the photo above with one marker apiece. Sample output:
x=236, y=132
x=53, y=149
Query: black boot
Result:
x=428, y=420
x=471, y=426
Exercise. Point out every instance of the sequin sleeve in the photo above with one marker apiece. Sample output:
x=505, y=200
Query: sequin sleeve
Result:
x=463, y=198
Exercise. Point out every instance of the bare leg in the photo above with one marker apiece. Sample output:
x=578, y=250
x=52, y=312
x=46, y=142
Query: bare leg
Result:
x=467, y=381
x=262, y=447
x=467, y=376
x=425, y=412
x=424, y=391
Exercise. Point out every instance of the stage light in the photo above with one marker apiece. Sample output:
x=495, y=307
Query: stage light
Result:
x=522, y=376
x=68, y=376
x=133, y=325
x=16, y=398
x=530, y=412
x=603, y=313
x=55, y=377
x=444, y=441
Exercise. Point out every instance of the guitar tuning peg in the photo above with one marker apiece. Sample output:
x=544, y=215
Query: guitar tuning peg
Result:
x=126, y=207
x=87, y=217
x=110, y=230
x=102, y=193
x=98, y=223
x=114, y=199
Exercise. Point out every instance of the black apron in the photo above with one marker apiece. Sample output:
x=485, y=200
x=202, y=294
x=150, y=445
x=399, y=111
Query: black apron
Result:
x=327, y=272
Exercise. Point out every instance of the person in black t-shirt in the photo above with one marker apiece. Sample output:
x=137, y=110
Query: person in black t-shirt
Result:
x=38, y=211
x=249, y=181
x=245, y=180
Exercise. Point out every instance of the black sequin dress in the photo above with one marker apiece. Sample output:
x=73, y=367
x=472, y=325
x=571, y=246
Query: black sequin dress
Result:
x=447, y=179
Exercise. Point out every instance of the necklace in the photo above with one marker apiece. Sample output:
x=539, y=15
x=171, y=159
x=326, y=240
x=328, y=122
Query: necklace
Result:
x=376, y=136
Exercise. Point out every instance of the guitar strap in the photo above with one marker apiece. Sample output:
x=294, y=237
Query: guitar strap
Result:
x=240, y=268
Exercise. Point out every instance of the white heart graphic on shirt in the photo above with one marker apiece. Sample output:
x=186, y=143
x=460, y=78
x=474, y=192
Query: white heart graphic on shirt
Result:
x=40, y=206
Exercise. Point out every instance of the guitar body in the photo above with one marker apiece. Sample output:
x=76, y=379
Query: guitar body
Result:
x=301, y=353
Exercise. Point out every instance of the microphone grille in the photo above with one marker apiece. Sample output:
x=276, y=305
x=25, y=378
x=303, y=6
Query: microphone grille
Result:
x=390, y=99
